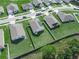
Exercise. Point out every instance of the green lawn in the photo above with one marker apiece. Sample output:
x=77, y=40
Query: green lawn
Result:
x=42, y=39
x=3, y=54
x=4, y=3
x=20, y=48
x=64, y=29
x=33, y=56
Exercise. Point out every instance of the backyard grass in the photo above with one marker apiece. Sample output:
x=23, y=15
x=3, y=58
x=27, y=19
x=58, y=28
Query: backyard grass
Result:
x=20, y=48
x=6, y=39
x=3, y=54
x=64, y=29
x=42, y=39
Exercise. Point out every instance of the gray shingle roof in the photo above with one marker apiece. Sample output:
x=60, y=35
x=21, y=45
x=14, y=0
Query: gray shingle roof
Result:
x=36, y=2
x=51, y=21
x=35, y=26
x=67, y=1
x=27, y=6
x=65, y=17
x=56, y=1
x=12, y=8
x=16, y=31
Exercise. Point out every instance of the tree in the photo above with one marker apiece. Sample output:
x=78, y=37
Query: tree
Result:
x=74, y=45
x=49, y=52
x=68, y=53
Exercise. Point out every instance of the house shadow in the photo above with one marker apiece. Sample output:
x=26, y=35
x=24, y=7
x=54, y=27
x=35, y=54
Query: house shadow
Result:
x=38, y=34
x=16, y=41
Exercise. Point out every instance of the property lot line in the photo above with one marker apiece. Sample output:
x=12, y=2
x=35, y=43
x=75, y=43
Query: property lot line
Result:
x=30, y=37
x=76, y=17
x=8, y=54
x=0, y=52
x=49, y=31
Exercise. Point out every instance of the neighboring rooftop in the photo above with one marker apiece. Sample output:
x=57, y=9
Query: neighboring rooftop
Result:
x=65, y=17
x=27, y=6
x=12, y=8
x=67, y=1
x=1, y=39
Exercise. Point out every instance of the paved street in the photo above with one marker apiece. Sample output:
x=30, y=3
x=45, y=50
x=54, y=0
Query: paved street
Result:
x=32, y=14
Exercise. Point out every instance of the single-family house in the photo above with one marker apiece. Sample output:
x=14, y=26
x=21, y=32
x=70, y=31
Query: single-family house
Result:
x=36, y=26
x=51, y=21
x=17, y=32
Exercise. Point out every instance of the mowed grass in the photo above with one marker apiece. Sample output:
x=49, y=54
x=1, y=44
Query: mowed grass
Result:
x=33, y=56
x=4, y=3
x=20, y=48
x=4, y=53
x=65, y=30
x=42, y=39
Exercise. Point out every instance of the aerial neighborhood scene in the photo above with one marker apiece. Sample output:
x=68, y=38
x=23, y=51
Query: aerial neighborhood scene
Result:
x=39, y=29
